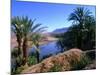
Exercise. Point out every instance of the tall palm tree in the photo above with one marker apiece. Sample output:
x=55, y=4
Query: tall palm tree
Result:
x=26, y=29
x=29, y=28
x=16, y=28
x=80, y=16
x=82, y=32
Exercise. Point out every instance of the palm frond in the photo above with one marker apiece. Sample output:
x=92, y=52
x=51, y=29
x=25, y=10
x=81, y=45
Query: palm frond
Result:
x=35, y=27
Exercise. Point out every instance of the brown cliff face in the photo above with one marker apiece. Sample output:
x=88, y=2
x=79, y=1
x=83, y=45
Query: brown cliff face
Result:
x=64, y=61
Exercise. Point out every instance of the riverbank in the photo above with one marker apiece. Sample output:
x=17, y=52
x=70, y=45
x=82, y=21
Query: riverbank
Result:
x=42, y=42
x=73, y=59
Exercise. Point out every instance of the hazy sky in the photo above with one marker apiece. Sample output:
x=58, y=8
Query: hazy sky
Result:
x=49, y=14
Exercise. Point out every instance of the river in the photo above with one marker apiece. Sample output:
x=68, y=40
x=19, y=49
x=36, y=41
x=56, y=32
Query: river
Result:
x=46, y=49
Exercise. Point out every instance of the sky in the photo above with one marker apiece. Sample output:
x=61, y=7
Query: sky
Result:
x=51, y=15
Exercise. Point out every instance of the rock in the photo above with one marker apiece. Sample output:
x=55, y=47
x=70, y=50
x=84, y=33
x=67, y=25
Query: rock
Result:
x=62, y=59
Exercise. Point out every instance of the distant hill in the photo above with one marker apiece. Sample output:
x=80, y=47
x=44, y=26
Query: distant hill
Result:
x=61, y=30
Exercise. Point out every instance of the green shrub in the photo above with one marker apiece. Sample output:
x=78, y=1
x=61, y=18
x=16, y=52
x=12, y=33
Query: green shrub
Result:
x=32, y=60
x=79, y=65
x=18, y=70
x=18, y=66
x=56, y=68
x=15, y=52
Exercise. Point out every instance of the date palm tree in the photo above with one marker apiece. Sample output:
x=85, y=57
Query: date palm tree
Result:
x=36, y=42
x=80, y=16
x=25, y=28
x=29, y=30
x=16, y=27
x=82, y=32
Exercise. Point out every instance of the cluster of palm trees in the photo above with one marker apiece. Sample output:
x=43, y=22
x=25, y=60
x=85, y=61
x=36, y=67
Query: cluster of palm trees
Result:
x=82, y=32
x=26, y=30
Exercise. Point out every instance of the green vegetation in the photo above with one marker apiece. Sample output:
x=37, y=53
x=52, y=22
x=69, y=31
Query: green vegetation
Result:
x=80, y=35
x=81, y=64
x=32, y=60
x=15, y=52
x=16, y=59
x=16, y=28
x=56, y=68
x=25, y=29
x=76, y=65
x=82, y=32
x=18, y=70
x=17, y=63
x=36, y=39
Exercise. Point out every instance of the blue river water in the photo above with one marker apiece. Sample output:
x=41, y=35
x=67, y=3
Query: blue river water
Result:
x=46, y=49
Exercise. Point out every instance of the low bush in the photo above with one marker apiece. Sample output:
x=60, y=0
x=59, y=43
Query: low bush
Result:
x=18, y=70
x=32, y=60
x=56, y=68
x=79, y=65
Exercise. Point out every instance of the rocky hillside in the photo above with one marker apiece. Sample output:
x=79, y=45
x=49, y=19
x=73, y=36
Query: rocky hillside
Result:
x=73, y=59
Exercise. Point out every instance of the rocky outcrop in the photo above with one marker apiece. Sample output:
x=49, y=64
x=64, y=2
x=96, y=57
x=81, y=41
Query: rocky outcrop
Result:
x=65, y=60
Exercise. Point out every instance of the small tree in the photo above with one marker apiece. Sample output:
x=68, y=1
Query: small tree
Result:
x=36, y=42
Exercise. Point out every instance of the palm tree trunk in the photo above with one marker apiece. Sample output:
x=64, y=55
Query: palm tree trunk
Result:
x=37, y=53
x=79, y=39
x=37, y=56
x=24, y=51
x=19, y=45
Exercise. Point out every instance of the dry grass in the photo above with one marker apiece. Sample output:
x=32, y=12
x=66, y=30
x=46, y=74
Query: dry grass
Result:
x=62, y=59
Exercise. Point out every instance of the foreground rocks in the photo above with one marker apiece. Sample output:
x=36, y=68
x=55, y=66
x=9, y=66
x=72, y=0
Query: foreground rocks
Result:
x=63, y=62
